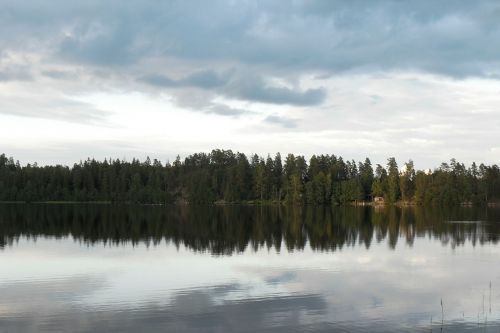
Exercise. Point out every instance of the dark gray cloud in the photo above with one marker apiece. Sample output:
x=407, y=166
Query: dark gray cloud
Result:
x=223, y=110
x=232, y=49
x=59, y=75
x=333, y=36
x=101, y=46
x=243, y=86
x=207, y=79
x=255, y=89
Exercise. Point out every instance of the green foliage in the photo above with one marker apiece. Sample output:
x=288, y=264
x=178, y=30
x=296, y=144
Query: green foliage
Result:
x=407, y=182
x=392, y=194
x=352, y=191
x=366, y=178
x=224, y=176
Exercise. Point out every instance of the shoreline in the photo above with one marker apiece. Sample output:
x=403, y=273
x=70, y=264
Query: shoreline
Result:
x=399, y=204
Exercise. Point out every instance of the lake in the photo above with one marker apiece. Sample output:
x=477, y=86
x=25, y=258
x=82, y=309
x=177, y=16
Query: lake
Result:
x=90, y=268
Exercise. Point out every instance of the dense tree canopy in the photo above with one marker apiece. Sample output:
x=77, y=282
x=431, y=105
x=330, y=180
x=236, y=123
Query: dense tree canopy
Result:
x=225, y=176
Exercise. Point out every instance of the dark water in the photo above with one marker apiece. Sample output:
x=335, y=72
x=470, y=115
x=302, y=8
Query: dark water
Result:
x=99, y=268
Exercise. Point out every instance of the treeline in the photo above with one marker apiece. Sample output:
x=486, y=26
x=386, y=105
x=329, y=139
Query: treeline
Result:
x=225, y=176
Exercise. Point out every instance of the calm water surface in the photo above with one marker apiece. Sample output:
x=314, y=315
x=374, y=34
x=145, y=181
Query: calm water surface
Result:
x=91, y=268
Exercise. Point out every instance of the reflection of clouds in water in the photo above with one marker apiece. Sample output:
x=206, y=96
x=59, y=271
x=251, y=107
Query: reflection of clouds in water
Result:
x=45, y=296
x=196, y=311
x=282, y=278
x=403, y=286
x=189, y=311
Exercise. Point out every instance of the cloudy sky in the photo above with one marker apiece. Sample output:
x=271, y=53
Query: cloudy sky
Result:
x=88, y=78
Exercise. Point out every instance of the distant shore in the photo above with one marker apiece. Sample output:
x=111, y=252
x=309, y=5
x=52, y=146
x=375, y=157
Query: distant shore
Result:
x=250, y=203
x=225, y=177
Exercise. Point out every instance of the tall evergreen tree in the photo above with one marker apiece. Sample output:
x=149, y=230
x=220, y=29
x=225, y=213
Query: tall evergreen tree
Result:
x=392, y=194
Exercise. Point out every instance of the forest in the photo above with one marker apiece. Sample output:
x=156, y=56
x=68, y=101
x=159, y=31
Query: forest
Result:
x=223, y=176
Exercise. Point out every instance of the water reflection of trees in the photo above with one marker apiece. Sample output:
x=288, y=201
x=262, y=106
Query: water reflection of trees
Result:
x=229, y=229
